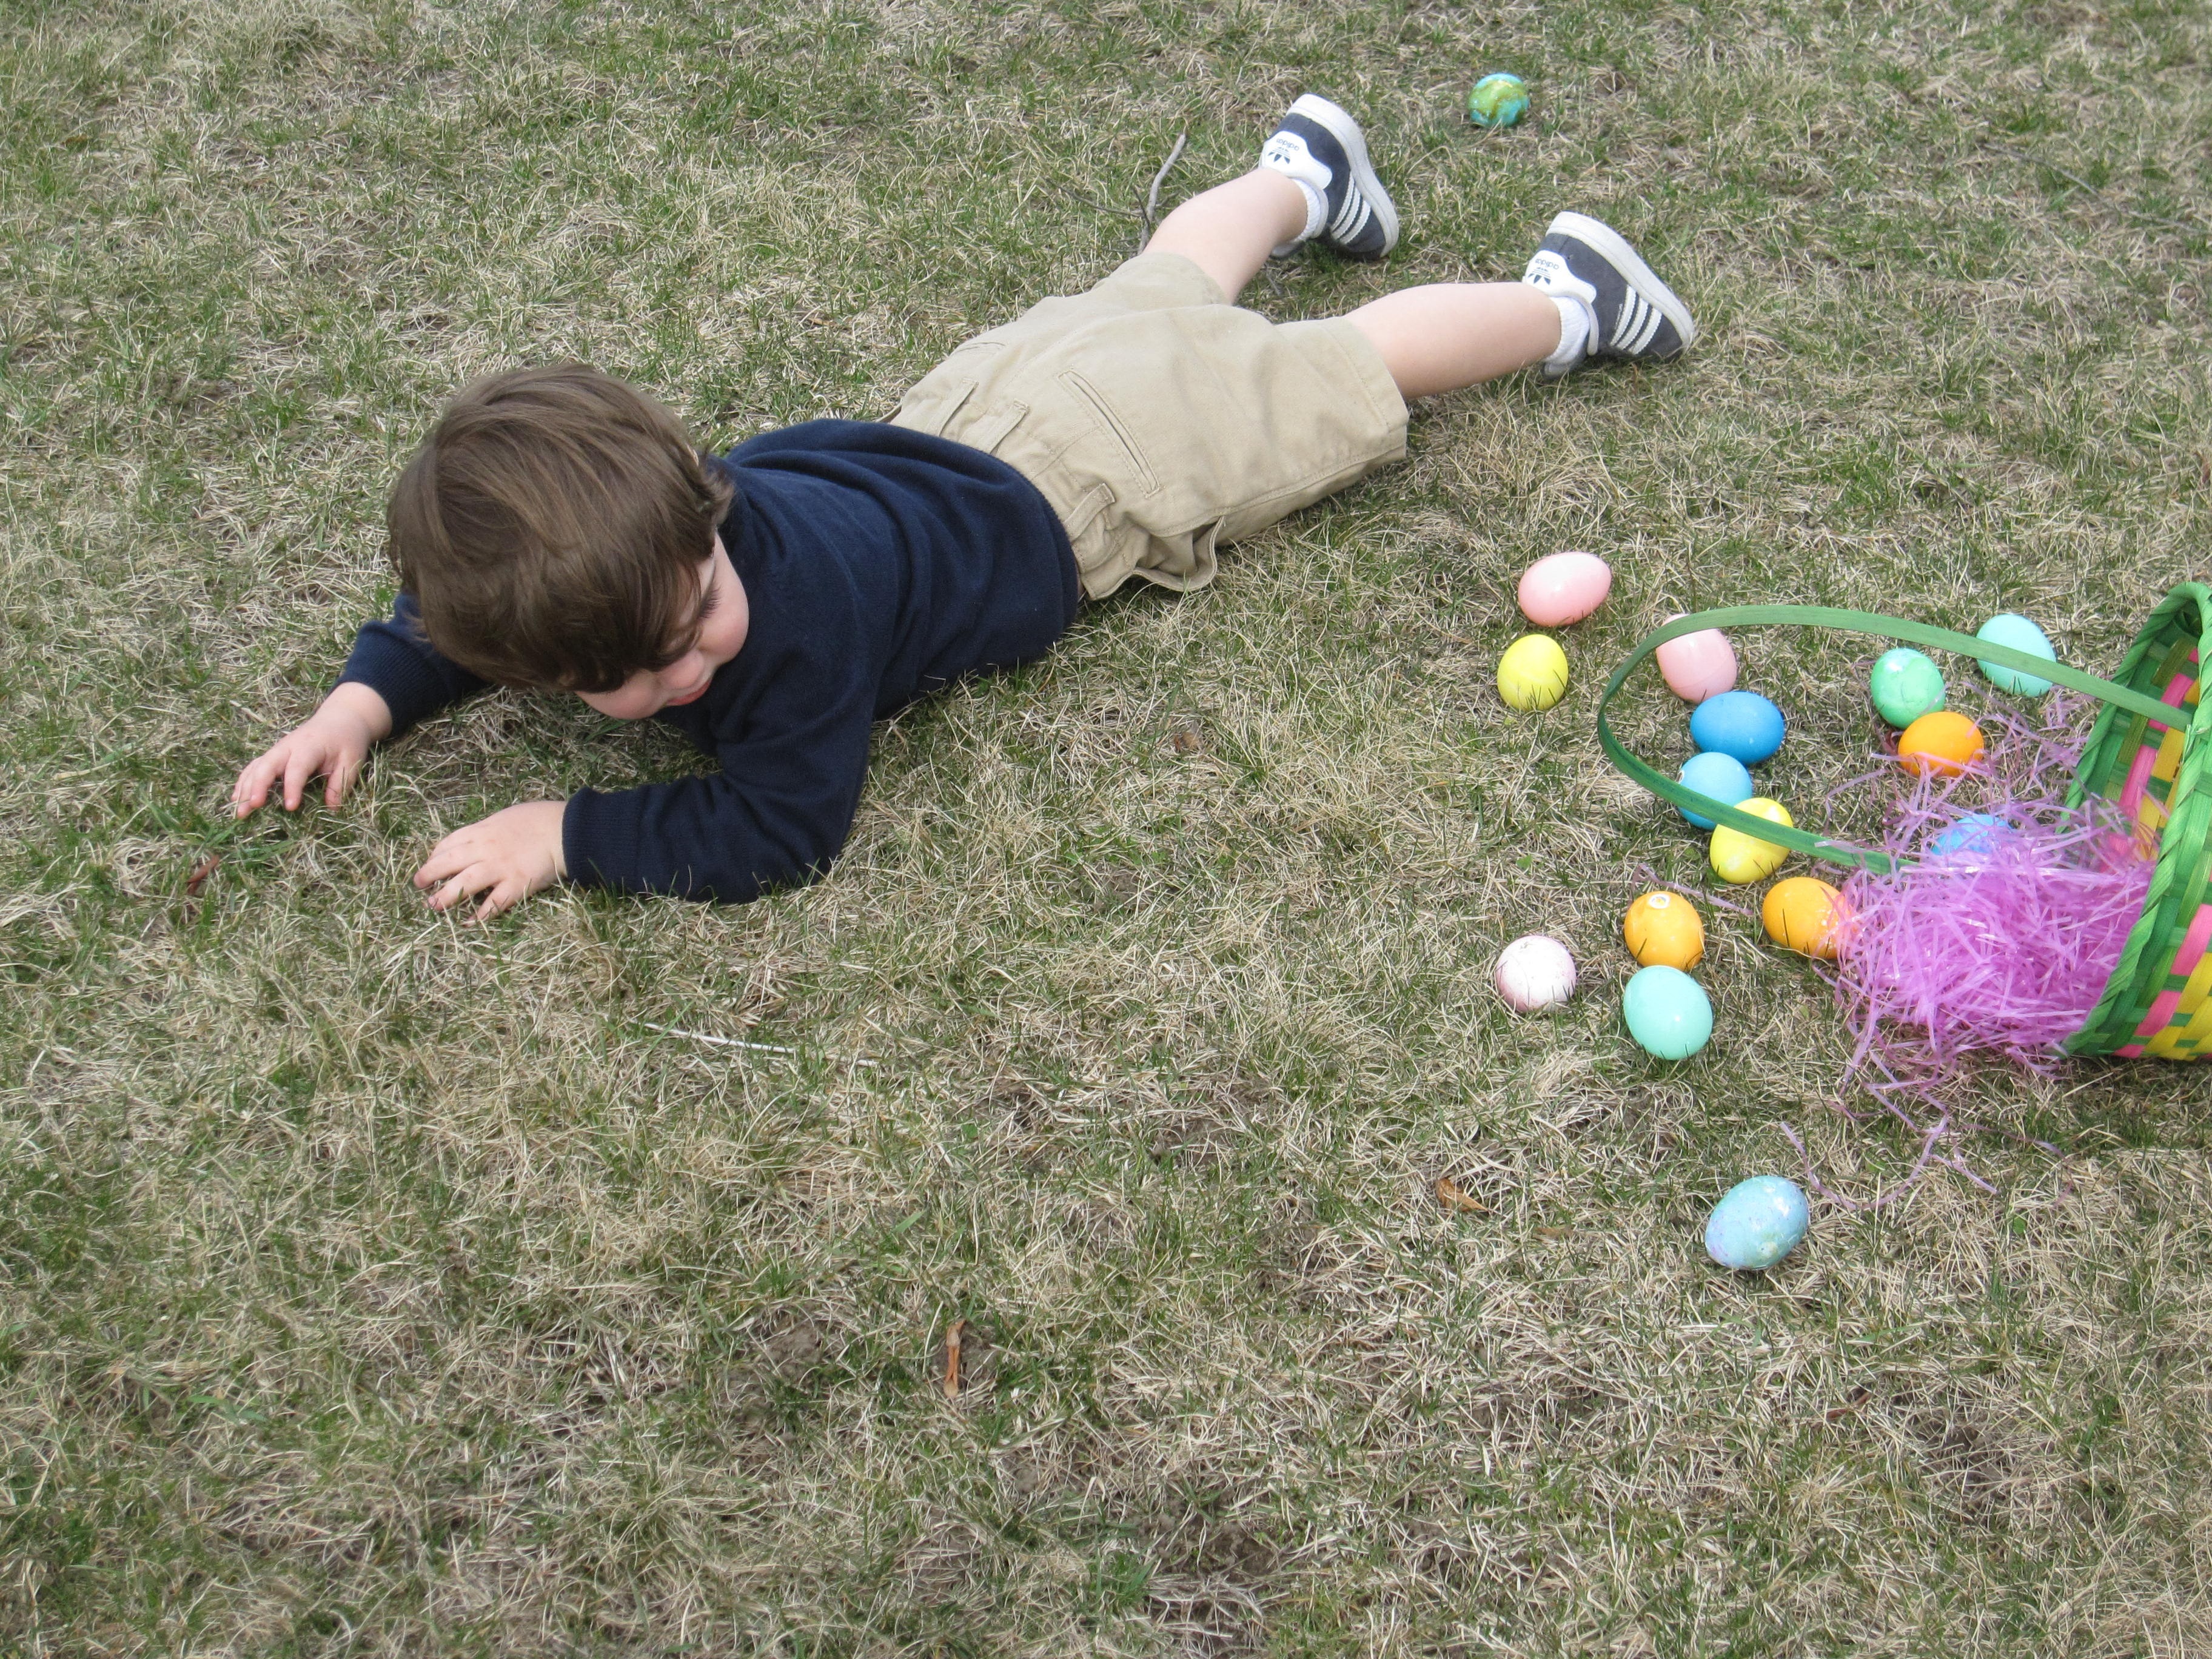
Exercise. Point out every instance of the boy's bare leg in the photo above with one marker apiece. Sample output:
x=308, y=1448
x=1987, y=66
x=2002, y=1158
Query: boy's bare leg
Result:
x=1449, y=335
x=1227, y=232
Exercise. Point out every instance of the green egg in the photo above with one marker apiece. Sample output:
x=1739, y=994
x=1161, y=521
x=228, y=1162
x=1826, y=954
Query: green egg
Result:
x=1906, y=685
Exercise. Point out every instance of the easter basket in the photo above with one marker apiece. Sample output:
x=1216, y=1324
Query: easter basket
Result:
x=2150, y=752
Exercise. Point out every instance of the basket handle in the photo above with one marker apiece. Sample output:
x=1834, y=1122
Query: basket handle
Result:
x=1850, y=622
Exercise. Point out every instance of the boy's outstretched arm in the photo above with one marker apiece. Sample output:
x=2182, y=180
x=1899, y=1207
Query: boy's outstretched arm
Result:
x=331, y=743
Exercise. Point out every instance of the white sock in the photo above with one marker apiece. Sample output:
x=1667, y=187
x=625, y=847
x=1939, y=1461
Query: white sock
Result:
x=1576, y=323
x=1316, y=212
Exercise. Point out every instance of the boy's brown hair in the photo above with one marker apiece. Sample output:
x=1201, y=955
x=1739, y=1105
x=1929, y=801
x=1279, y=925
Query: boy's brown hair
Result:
x=551, y=527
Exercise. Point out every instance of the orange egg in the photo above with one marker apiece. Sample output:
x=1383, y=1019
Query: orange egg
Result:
x=1805, y=915
x=1945, y=741
x=1662, y=931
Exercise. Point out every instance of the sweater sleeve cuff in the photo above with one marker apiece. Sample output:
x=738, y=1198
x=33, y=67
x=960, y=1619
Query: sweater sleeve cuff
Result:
x=410, y=687
x=598, y=847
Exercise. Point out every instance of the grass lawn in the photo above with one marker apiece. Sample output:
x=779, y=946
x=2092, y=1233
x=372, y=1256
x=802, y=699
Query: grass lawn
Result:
x=373, y=1285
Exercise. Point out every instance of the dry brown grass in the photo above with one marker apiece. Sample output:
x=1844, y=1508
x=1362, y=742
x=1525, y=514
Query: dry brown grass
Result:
x=371, y=1285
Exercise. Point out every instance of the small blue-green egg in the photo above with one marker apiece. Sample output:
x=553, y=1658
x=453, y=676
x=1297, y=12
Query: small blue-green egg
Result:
x=1722, y=776
x=1757, y=1224
x=1906, y=684
x=1969, y=833
x=1739, y=723
x=1667, y=1013
x=2017, y=631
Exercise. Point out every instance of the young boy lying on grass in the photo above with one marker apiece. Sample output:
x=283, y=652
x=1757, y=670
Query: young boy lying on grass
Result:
x=558, y=530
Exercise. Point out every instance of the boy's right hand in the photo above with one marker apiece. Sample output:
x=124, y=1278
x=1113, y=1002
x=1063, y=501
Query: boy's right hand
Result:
x=332, y=744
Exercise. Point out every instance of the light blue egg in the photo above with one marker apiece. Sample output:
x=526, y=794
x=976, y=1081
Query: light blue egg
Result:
x=2022, y=635
x=1722, y=776
x=1971, y=832
x=1739, y=723
x=1667, y=1013
x=1757, y=1224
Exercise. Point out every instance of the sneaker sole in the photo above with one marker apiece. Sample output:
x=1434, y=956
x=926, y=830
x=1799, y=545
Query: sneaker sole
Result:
x=1346, y=131
x=1610, y=243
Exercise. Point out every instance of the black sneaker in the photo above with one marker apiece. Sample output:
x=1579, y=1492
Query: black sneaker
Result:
x=1322, y=149
x=1633, y=313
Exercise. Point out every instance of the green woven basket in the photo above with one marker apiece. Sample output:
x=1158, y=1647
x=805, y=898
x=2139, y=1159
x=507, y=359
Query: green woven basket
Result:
x=2150, y=752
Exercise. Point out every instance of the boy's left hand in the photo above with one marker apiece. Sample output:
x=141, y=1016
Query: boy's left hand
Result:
x=507, y=857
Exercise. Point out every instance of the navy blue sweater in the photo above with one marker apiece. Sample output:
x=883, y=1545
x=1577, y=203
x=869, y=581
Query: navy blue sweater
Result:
x=879, y=564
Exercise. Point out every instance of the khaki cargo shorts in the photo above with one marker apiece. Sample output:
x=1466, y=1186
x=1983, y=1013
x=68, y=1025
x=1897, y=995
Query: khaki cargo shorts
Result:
x=1160, y=421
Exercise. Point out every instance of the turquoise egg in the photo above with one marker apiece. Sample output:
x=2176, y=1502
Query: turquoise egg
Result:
x=1739, y=723
x=1498, y=100
x=1904, y=685
x=1971, y=832
x=1667, y=1013
x=1722, y=776
x=2022, y=635
x=1759, y=1222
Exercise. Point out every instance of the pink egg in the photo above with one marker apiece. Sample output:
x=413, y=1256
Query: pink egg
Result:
x=1699, y=666
x=1565, y=588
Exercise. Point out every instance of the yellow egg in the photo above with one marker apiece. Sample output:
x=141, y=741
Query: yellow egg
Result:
x=1662, y=931
x=1740, y=858
x=1804, y=914
x=1533, y=673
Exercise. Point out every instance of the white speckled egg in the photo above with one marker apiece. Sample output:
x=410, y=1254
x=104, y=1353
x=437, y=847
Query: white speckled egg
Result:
x=1535, y=973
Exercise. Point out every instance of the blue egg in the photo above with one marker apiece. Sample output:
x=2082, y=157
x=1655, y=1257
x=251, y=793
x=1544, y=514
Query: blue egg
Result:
x=1757, y=1224
x=1722, y=776
x=2022, y=635
x=1667, y=1013
x=1739, y=723
x=1973, y=832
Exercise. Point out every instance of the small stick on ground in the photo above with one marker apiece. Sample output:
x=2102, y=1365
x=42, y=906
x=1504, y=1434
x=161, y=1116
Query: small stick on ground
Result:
x=1152, y=195
x=952, y=1358
x=200, y=872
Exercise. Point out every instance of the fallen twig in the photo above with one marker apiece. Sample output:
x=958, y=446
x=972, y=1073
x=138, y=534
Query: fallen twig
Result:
x=200, y=872
x=1152, y=196
x=757, y=1048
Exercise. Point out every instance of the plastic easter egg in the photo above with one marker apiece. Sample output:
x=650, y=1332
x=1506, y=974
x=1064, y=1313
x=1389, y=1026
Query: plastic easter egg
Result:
x=1739, y=858
x=1498, y=100
x=1804, y=914
x=1739, y=723
x=1667, y=1013
x=1944, y=743
x=1904, y=685
x=1662, y=931
x=1564, y=588
x=1535, y=973
x=1758, y=1223
x=2022, y=635
x=1971, y=835
x=1532, y=675
x=1697, y=666
x=1721, y=776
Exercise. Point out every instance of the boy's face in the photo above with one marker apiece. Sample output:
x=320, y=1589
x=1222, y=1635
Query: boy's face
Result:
x=721, y=633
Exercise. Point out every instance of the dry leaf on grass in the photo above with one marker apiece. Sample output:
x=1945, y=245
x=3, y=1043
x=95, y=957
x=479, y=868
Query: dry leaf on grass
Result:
x=1450, y=1196
x=200, y=872
x=952, y=1358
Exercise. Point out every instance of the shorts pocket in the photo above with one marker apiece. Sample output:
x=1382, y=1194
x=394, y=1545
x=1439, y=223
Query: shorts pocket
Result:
x=1111, y=424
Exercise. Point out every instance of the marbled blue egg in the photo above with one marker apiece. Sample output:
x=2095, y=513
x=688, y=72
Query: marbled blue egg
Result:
x=1757, y=1224
x=2022, y=635
x=1722, y=776
x=1739, y=723
x=1667, y=1013
x=1970, y=832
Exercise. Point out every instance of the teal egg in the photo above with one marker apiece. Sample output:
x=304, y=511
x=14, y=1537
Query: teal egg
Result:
x=1904, y=685
x=1667, y=1013
x=1758, y=1223
x=2022, y=635
x=1497, y=100
x=1722, y=776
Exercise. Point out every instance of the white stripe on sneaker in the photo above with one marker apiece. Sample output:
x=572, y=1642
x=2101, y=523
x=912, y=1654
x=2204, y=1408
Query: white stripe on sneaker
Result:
x=1631, y=312
x=1651, y=321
